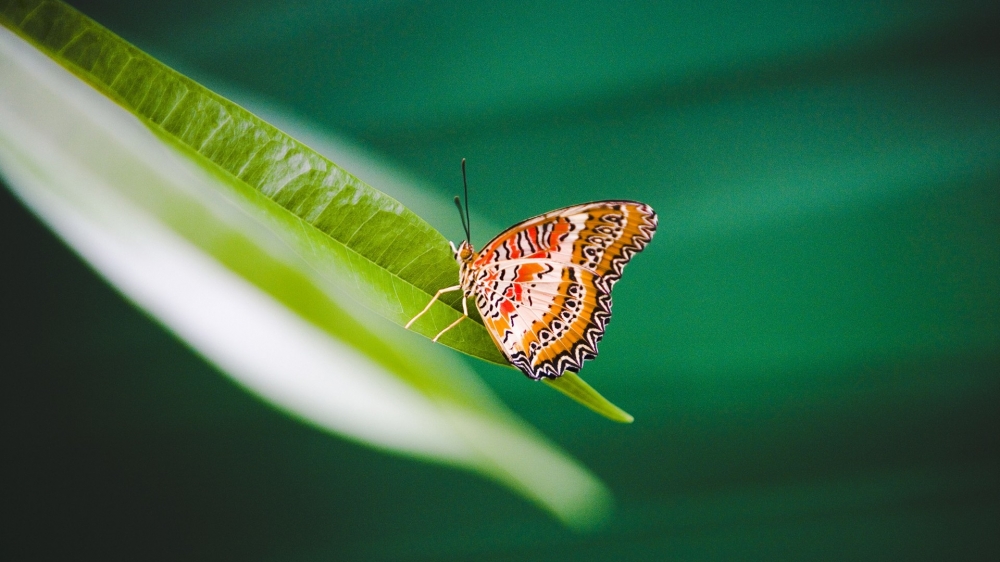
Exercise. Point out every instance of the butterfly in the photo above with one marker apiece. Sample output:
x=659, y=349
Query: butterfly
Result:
x=543, y=286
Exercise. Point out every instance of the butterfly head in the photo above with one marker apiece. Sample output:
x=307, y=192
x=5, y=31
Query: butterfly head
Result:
x=464, y=254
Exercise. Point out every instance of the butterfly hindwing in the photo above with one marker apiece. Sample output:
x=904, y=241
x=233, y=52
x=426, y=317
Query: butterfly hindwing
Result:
x=543, y=287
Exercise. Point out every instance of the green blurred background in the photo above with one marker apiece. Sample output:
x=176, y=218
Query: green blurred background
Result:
x=810, y=346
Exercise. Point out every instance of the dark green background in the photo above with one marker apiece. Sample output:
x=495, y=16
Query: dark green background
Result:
x=811, y=344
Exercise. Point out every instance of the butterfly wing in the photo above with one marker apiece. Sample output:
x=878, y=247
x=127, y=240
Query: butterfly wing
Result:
x=543, y=287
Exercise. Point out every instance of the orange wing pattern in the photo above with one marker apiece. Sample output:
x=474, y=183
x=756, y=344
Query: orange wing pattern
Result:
x=543, y=287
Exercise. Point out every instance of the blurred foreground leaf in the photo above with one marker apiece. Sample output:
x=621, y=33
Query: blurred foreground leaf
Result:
x=257, y=252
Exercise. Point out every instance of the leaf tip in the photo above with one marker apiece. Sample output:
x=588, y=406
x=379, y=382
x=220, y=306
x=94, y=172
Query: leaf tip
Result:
x=573, y=386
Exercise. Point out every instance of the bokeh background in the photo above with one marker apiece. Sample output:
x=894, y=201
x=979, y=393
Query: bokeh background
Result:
x=810, y=345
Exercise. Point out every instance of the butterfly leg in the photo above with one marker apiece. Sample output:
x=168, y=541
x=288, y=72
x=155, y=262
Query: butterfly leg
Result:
x=465, y=311
x=428, y=307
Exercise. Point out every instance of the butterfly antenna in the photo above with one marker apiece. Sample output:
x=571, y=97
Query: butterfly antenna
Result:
x=465, y=227
x=468, y=218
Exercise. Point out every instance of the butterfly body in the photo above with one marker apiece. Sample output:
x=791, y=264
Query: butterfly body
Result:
x=543, y=286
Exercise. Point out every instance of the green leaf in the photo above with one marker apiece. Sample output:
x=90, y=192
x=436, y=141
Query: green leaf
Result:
x=375, y=250
x=261, y=278
x=368, y=247
x=573, y=386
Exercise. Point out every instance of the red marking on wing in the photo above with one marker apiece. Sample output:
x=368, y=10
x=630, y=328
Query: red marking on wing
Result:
x=532, y=234
x=559, y=228
x=506, y=307
x=526, y=272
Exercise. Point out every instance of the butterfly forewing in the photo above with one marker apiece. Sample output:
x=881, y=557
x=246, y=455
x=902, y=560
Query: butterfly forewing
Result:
x=543, y=287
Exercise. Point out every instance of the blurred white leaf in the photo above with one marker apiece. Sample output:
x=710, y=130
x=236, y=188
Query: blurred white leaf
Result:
x=164, y=229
